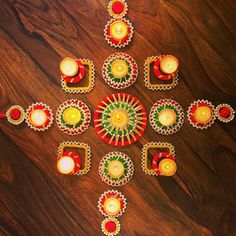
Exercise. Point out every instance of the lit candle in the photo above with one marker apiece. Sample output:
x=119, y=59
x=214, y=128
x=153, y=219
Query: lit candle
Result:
x=115, y=169
x=66, y=165
x=119, y=69
x=72, y=116
x=203, y=114
x=112, y=206
x=119, y=30
x=69, y=67
x=38, y=117
x=119, y=119
x=167, y=167
x=169, y=64
x=167, y=117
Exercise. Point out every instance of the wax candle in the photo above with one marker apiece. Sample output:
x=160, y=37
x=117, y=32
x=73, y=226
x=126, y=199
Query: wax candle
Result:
x=119, y=30
x=119, y=119
x=69, y=67
x=38, y=117
x=167, y=167
x=65, y=165
x=167, y=117
x=169, y=64
x=119, y=69
x=112, y=206
x=72, y=115
x=203, y=114
x=116, y=169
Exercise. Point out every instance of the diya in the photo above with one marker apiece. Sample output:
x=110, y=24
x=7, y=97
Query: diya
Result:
x=225, y=113
x=15, y=115
x=117, y=8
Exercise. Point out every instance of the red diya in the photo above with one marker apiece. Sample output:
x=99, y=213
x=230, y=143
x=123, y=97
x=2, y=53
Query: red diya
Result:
x=117, y=8
x=120, y=119
x=118, y=32
x=112, y=203
x=15, y=115
x=110, y=226
x=225, y=113
x=39, y=116
x=201, y=114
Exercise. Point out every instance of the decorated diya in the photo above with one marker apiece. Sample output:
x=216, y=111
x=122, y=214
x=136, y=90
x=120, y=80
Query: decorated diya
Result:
x=110, y=226
x=166, y=116
x=116, y=169
x=120, y=119
x=112, y=203
x=117, y=8
x=225, y=113
x=73, y=117
x=118, y=32
x=39, y=116
x=73, y=71
x=69, y=162
x=120, y=71
x=201, y=114
x=162, y=160
x=165, y=70
x=15, y=115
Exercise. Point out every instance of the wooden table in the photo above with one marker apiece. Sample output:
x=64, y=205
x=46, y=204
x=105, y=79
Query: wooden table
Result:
x=35, y=199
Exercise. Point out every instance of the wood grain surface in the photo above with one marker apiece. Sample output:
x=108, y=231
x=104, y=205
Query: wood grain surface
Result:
x=35, y=199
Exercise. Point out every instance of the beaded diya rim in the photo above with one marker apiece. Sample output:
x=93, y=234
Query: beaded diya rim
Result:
x=79, y=145
x=82, y=125
x=132, y=108
x=48, y=116
x=118, y=43
x=114, y=14
x=192, y=108
x=224, y=119
x=169, y=104
x=91, y=79
x=112, y=194
x=20, y=119
x=147, y=79
x=115, y=221
x=126, y=162
x=127, y=80
x=154, y=145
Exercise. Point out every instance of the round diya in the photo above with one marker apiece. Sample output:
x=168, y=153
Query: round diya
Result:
x=120, y=119
x=118, y=32
x=116, y=169
x=15, y=115
x=112, y=203
x=73, y=117
x=120, y=71
x=201, y=114
x=225, y=113
x=110, y=226
x=117, y=8
x=39, y=116
x=166, y=116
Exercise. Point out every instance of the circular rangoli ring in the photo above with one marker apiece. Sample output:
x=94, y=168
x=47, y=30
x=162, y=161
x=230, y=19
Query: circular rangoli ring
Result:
x=73, y=117
x=120, y=119
x=110, y=226
x=120, y=71
x=225, y=113
x=116, y=169
x=166, y=116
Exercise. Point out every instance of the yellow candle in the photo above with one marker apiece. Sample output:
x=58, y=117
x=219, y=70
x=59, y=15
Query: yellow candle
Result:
x=38, y=117
x=167, y=117
x=112, y=206
x=119, y=119
x=119, y=30
x=69, y=67
x=72, y=116
x=66, y=165
x=119, y=69
x=116, y=169
x=169, y=64
x=203, y=114
x=167, y=167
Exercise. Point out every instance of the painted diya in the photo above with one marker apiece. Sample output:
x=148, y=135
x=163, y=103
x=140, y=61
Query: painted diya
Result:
x=39, y=116
x=120, y=71
x=120, y=119
x=110, y=226
x=69, y=162
x=225, y=113
x=117, y=8
x=201, y=114
x=15, y=115
x=73, y=117
x=112, y=203
x=116, y=169
x=166, y=116
x=74, y=72
x=165, y=70
x=118, y=32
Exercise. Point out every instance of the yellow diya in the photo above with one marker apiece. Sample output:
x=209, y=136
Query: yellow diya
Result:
x=169, y=64
x=66, y=165
x=112, y=206
x=203, y=114
x=119, y=68
x=119, y=30
x=69, y=67
x=72, y=115
x=167, y=117
x=167, y=167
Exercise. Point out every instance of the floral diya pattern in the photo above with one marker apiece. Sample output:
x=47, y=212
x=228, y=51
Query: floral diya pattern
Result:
x=120, y=71
x=120, y=119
